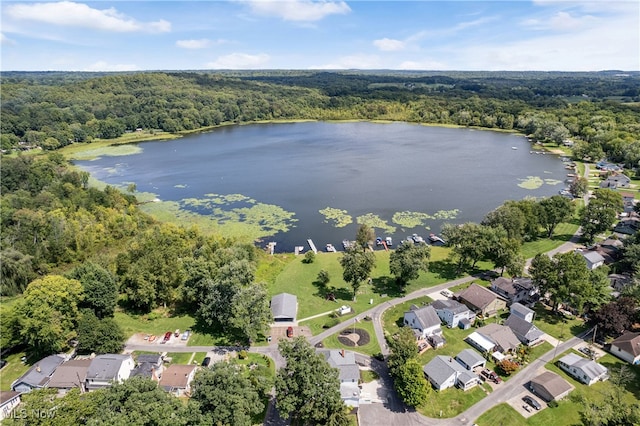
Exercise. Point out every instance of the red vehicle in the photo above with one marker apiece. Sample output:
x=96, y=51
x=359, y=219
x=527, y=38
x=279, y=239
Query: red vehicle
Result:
x=289, y=331
x=167, y=336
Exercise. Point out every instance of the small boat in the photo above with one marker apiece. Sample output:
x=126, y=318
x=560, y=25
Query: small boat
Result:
x=331, y=248
x=378, y=241
x=514, y=147
x=346, y=244
x=436, y=239
x=417, y=238
x=389, y=241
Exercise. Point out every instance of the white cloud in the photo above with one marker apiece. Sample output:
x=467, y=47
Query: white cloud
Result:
x=389, y=45
x=202, y=43
x=422, y=65
x=5, y=40
x=239, y=61
x=70, y=14
x=104, y=66
x=359, y=61
x=298, y=10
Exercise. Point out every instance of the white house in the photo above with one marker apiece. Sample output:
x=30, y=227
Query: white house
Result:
x=177, y=379
x=582, y=369
x=424, y=320
x=524, y=330
x=444, y=372
x=627, y=347
x=108, y=369
x=452, y=312
x=593, y=258
x=523, y=312
x=348, y=373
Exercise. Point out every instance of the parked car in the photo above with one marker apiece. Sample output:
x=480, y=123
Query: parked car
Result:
x=532, y=402
x=186, y=335
x=206, y=361
x=176, y=333
x=152, y=338
x=588, y=352
x=289, y=331
x=446, y=293
x=167, y=337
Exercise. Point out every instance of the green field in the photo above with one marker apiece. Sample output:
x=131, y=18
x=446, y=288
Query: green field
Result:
x=14, y=369
x=370, y=348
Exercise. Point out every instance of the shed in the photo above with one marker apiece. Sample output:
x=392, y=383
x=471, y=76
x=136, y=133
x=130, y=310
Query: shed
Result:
x=284, y=307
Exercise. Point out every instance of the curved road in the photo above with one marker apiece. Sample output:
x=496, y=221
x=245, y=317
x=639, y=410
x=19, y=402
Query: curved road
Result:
x=393, y=411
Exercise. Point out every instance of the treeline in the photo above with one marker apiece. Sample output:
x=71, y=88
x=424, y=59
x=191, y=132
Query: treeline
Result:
x=50, y=111
x=53, y=223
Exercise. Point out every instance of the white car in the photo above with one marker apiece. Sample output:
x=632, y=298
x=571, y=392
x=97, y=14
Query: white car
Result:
x=446, y=293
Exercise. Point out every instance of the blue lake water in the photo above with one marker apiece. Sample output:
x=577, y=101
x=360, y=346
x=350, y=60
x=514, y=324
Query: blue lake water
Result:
x=363, y=168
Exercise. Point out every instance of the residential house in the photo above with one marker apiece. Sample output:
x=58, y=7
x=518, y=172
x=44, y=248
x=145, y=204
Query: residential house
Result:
x=522, y=311
x=617, y=180
x=8, y=401
x=38, y=376
x=628, y=200
x=502, y=336
x=454, y=313
x=627, y=347
x=348, y=373
x=480, y=342
x=424, y=321
x=107, y=369
x=610, y=249
x=550, y=387
x=177, y=379
x=619, y=281
x=514, y=289
x=628, y=225
x=71, y=374
x=471, y=359
x=481, y=300
x=525, y=331
x=149, y=366
x=582, y=369
x=444, y=372
x=593, y=258
x=284, y=307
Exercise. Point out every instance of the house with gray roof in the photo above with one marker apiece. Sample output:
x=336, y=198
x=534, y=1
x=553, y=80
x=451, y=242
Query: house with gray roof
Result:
x=481, y=300
x=471, y=359
x=514, y=289
x=424, y=320
x=284, y=307
x=522, y=311
x=149, y=366
x=525, y=331
x=348, y=373
x=550, y=387
x=502, y=336
x=582, y=369
x=593, y=258
x=38, y=376
x=452, y=312
x=616, y=180
x=71, y=374
x=444, y=372
x=107, y=369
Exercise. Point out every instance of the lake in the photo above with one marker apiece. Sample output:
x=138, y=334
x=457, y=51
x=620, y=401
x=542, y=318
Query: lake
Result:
x=294, y=181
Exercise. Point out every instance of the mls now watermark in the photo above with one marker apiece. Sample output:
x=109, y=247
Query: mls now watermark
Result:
x=23, y=413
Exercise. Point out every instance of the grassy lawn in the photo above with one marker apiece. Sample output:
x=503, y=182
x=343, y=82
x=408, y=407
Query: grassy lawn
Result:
x=561, y=235
x=568, y=410
x=367, y=376
x=299, y=278
x=370, y=348
x=393, y=317
x=14, y=369
x=451, y=402
x=185, y=357
x=557, y=325
x=158, y=322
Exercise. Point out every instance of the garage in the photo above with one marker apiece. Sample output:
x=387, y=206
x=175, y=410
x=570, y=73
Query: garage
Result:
x=284, y=307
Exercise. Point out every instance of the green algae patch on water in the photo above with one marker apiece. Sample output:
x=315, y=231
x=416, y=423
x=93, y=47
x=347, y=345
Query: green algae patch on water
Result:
x=339, y=218
x=552, y=181
x=107, y=151
x=409, y=219
x=374, y=221
x=531, y=182
x=446, y=214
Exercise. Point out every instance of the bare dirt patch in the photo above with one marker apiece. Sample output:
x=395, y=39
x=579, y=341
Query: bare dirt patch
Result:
x=354, y=337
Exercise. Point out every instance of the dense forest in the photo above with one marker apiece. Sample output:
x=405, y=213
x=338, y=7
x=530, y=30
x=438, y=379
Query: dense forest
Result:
x=598, y=111
x=92, y=242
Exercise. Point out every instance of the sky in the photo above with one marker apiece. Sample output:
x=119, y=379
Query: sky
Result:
x=499, y=35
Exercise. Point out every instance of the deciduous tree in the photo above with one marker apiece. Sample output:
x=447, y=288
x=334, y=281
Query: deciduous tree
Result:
x=356, y=267
x=100, y=288
x=411, y=384
x=553, y=211
x=408, y=260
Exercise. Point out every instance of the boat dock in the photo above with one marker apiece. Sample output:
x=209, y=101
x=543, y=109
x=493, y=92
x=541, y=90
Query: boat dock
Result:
x=313, y=246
